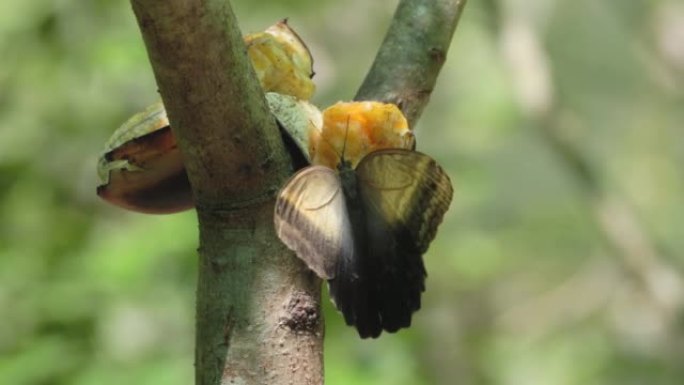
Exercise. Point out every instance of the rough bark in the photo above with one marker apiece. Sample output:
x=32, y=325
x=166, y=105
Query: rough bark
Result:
x=258, y=307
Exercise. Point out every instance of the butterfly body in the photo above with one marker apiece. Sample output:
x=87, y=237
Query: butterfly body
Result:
x=365, y=230
x=352, y=287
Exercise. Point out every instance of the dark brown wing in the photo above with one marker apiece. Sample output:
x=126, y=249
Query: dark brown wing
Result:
x=405, y=195
x=311, y=219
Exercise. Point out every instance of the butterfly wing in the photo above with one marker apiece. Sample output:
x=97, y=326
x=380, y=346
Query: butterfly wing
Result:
x=375, y=269
x=408, y=189
x=405, y=195
x=311, y=219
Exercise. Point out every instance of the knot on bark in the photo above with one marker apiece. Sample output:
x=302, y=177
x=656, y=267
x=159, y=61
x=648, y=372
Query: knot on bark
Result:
x=302, y=314
x=438, y=55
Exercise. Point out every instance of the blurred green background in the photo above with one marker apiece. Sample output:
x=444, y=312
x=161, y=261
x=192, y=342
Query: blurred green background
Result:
x=561, y=123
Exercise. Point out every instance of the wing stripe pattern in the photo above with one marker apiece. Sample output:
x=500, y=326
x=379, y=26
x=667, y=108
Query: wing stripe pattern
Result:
x=311, y=219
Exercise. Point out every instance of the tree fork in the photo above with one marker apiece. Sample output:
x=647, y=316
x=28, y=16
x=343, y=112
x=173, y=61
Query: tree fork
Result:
x=258, y=307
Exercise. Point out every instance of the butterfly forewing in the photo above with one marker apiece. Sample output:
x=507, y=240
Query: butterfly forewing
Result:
x=311, y=219
x=408, y=189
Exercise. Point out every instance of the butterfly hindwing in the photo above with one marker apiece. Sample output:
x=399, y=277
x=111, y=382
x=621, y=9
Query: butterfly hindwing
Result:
x=311, y=219
x=405, y=195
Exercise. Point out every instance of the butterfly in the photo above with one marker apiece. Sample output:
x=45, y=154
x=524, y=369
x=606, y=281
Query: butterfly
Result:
x=365, y=229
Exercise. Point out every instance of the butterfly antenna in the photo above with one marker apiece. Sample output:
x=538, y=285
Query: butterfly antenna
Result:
x=344, y=144
x=326, y=141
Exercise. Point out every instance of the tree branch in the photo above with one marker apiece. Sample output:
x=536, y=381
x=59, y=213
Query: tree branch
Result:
x=406, y=67
x=258, y=311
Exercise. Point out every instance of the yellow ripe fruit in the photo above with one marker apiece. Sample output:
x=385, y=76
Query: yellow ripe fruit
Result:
x=355, y=129
x=282, y=61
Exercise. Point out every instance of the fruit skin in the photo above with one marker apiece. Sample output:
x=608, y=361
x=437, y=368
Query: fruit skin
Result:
x=141, y=167
x=300, y=120
x=282, y=61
